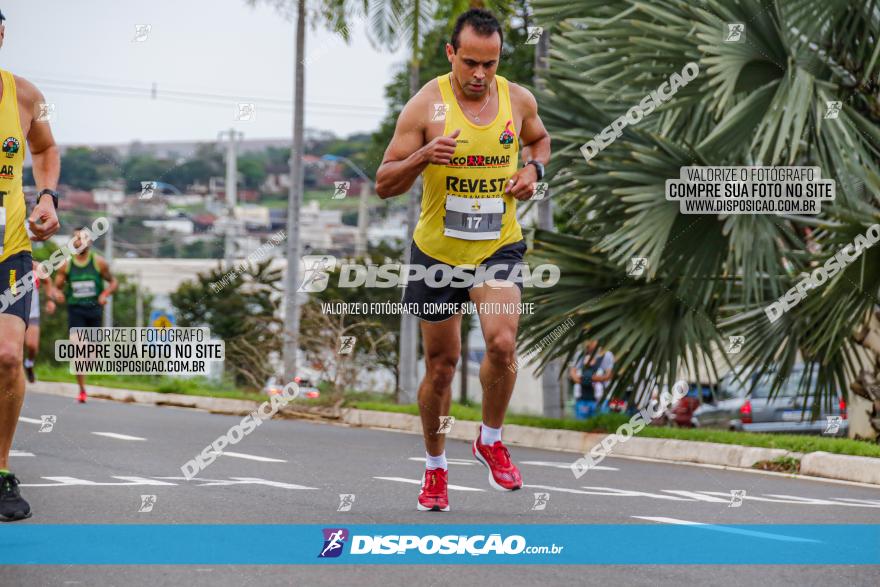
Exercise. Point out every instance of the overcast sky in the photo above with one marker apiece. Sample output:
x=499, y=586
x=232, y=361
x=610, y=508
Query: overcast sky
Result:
x=220, y=48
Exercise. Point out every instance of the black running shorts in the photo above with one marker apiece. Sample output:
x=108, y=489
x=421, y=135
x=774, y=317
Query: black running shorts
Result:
x=444, y=290
x=15, y=292
x=85, y=316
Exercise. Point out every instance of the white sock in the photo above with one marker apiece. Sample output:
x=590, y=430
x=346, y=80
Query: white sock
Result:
x=489, y=435
x=438, y=462
x=28, y=363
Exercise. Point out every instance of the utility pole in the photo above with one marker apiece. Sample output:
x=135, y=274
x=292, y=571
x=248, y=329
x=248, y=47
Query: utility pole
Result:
x=108, y=256
x=294, y=203
x=230, y=231
x=551, y=390
x=139, y=301
x=360, y=243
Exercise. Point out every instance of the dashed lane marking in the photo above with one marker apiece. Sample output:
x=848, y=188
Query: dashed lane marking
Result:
x=565, y=465
x=239, y=455
x=118, y=436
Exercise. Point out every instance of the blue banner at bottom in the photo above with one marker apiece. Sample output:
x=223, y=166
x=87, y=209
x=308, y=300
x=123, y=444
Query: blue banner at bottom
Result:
x=492, y=544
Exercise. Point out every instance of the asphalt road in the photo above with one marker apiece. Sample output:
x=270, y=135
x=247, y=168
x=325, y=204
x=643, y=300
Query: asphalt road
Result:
x=99, y=459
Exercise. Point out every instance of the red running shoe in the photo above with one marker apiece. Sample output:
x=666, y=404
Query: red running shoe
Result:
x=434, y=496
x=503, y=474
x=82, y=397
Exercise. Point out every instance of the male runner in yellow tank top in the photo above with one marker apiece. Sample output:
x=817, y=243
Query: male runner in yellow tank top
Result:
x=468, y=152
x=19, y=126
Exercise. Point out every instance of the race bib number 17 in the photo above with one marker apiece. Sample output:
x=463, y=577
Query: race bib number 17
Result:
x=474, y=219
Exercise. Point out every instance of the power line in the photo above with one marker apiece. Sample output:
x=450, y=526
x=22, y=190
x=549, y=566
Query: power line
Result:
x=153, y=92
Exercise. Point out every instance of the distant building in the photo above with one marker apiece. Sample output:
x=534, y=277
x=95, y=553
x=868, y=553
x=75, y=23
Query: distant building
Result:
x=185, y=199
x=254, y=217
x=203, y=222
x=77, y=200
x=179, y=225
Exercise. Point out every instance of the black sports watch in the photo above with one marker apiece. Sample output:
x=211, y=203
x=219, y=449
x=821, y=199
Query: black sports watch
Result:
x=539, y=166
x=52, y=193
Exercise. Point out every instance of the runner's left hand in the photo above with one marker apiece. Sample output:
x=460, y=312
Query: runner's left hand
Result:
x=48, y=224
x=521, y=184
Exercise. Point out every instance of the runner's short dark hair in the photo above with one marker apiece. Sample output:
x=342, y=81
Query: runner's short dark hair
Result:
x=482, y=21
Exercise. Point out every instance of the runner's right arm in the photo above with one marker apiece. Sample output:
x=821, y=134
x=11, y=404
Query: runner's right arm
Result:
x=407, y=155
x=60, y=278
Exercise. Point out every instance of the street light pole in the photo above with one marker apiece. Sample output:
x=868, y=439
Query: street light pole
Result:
x=294, y=202
x=230, y=232
x=108, y=256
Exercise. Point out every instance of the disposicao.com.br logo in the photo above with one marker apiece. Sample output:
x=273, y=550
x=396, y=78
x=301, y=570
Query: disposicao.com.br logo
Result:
x=317, y=271
x=451, y=544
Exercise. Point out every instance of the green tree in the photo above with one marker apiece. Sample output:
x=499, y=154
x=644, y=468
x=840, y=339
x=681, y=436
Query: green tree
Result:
x=240, y=306
x=759, y=102
x=252, y=167
x=381, y=328
x=85, y=169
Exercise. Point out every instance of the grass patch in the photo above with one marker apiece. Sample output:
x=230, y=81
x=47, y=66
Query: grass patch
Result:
x=780, y=465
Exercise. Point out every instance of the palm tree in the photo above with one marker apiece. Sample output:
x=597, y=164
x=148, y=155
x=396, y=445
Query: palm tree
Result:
x=332, y=13
x=761, y=101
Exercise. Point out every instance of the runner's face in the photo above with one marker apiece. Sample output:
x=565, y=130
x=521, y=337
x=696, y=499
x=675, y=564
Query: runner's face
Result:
x=81, y=241
x=475, y=62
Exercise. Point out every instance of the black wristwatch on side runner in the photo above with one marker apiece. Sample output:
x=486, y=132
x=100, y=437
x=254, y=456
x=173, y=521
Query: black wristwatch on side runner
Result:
x=52, y=193
x=539, y=166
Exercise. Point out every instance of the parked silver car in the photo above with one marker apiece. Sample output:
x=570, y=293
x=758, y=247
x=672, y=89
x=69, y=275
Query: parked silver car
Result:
x=734, y=409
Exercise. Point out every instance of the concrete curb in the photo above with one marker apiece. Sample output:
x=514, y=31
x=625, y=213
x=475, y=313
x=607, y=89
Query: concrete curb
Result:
x=815, y=464
x=846, y=467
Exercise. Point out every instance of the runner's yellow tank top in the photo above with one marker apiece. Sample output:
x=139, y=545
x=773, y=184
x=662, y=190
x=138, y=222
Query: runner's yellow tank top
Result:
x=466, y=216
x=12, y=206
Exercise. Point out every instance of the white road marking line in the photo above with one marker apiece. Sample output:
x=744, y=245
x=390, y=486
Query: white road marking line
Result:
x=868, y=501
x=448, y=461
x=118, y=436
x=608, y=492
x=20, y=453
x=697, y=496
x=741, y=470
x=565, y=465
x=239, y=455
x=74, y=481
x=141, y=480
x=817, y=501
x=716, y=528
x=629, y=493
x=794, y=500
x=29, y=420
x=239, y=481
x=419, y=482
